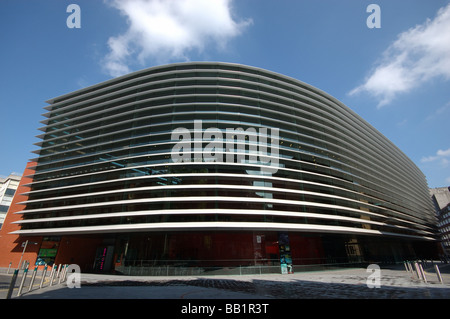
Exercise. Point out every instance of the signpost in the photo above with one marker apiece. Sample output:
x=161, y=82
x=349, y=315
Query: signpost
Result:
x=24, y=245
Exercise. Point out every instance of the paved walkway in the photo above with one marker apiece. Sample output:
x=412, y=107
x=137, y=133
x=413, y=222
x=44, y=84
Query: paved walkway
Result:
x=337, y=284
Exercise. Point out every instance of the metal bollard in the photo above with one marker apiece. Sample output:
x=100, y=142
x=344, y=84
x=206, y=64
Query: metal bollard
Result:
x=52, y=275
x=410, y=268
x=422, y=273
x=32, y=278
x=65, y=272
x=438, y=273
x=408, y=264
x=25, y=271
x=416, y=266
x=62, y=274
x=59, y=270
x=44, y=272
x=12, y=284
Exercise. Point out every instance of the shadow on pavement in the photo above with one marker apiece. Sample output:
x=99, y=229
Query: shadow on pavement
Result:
x=236, y=289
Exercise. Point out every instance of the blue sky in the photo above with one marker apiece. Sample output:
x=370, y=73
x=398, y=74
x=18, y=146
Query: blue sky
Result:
x=397, y=77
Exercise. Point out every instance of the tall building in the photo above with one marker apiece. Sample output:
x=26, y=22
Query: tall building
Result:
x=219, y=165
x=441, y=200
x=8, y=186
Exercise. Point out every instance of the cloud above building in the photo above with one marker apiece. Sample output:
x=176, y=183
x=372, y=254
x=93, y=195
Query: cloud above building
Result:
x=417, y=56
x=169, y=30
x=442, y=157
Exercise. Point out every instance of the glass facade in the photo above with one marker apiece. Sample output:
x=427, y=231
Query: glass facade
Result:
x=106, y=168
x=441, y=201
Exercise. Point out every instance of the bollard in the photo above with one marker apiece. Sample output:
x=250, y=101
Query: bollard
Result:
x=438, y=273
x=9, y=268
x=59, y=270
x=411, y=270
x=32, y=278
x=408, y=266
x=25, y=271
x=416, y=266
x=414, y=269
x=422, y=273
x=12, y=284
x=65, y=272
x=52, y=275
x=44, y=272
x=62, y=274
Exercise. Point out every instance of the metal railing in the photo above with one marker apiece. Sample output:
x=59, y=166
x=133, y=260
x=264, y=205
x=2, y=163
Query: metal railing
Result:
x=227, y=267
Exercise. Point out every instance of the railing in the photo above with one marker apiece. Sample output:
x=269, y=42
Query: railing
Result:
x=227, y=267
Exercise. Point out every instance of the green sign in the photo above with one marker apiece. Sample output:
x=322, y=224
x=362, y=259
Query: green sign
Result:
x=47, y=252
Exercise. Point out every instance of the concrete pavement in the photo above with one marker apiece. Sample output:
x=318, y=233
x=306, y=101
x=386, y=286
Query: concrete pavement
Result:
x=354, y=283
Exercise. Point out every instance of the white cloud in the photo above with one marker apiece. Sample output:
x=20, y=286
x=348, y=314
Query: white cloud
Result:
x=167, y=30
x=442, y=157
x=417, y=56
x=443, y=153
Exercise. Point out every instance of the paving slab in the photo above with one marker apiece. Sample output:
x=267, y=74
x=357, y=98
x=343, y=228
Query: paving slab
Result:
x=353, y=283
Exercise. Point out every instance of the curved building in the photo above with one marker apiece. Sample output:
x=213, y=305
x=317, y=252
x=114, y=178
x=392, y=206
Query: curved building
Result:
x=218, y=164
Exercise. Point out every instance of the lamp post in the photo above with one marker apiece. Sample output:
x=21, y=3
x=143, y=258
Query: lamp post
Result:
x=23, y=252
x=24, y=245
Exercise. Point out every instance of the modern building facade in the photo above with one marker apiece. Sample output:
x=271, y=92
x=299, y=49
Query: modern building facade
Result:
x=8, y=186
x=441, y=200
x=219, y=165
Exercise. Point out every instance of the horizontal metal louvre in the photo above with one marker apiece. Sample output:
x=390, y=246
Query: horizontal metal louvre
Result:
x=107, y=148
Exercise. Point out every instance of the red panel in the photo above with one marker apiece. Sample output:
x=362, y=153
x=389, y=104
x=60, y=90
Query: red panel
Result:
x=11, y=245
x=306, y=249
